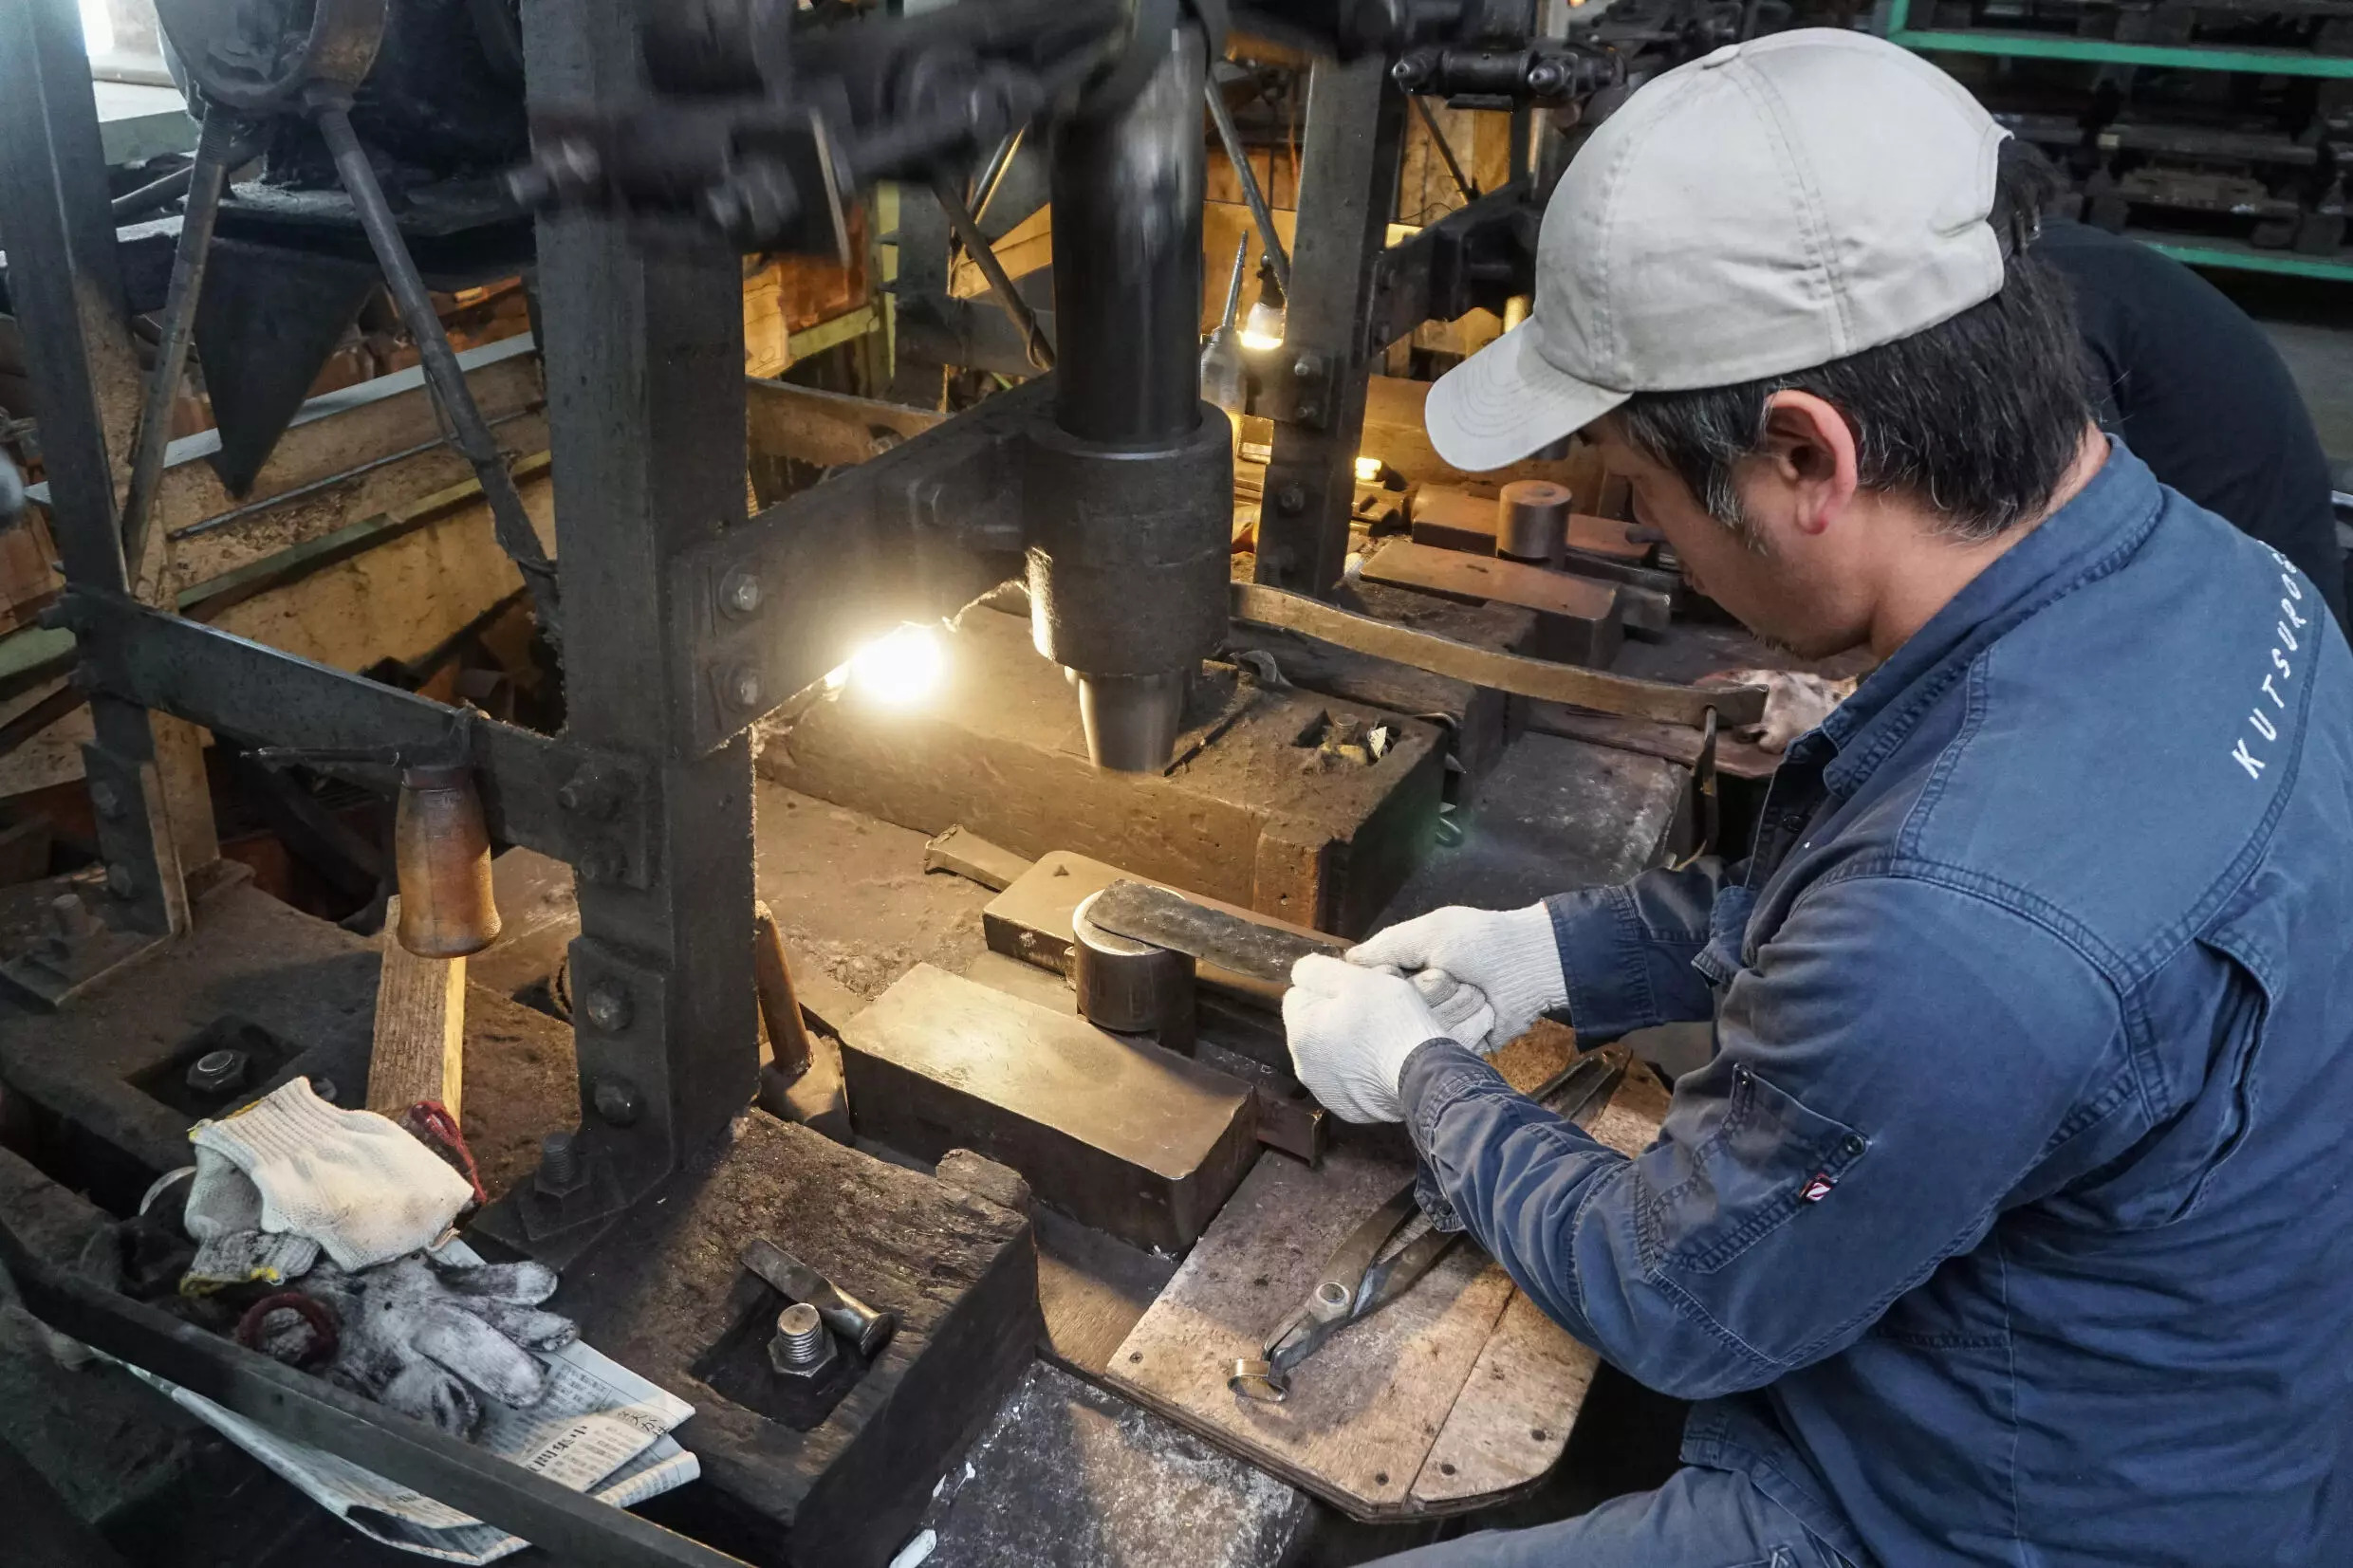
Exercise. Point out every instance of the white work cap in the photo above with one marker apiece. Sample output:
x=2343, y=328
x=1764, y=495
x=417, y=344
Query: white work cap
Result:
x=1775, y=206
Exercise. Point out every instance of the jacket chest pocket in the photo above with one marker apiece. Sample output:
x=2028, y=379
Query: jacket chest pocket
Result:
x=1767, y=1159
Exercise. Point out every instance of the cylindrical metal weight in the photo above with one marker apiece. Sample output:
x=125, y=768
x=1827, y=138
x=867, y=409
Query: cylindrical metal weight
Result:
x=1127, y=549
x=442, y=852
x=1531, y=522
x=1130, y=986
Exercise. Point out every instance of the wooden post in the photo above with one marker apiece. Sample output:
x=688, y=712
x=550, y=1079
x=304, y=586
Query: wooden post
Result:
x=420, y=1028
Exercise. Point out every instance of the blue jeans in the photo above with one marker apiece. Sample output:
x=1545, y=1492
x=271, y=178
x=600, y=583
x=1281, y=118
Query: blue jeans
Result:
x=1699, y=1519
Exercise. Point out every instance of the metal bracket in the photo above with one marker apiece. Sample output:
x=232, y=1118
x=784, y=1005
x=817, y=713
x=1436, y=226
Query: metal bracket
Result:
x=223, y=682
x=1476, y=257
x=914, y=534
x=1296, y=386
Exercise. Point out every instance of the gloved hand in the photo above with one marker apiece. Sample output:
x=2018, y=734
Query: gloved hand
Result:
x=1351, y=1029
x=427, y=1340
x=1509, y=954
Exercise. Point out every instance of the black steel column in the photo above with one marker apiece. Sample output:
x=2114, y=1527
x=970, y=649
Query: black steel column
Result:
x=644, y=359
x=67, y=291
x=1131, y=494
x=1348, y=189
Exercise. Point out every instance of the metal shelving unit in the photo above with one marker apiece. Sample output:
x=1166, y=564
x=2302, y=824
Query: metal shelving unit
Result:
x=2197, y=250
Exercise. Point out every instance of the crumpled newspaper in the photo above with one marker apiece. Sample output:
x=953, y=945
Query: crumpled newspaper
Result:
x=602, y=1429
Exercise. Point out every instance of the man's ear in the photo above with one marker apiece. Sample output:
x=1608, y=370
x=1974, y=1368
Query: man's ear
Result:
x=1811, y=449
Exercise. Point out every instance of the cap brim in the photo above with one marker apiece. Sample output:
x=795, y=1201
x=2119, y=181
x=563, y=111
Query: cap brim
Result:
x=1507, y=402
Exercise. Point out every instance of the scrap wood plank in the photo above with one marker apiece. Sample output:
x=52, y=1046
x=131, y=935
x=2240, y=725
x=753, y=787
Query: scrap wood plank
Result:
x=1513, y=1416
x=1431, y=1407
x=1462, y=575
x=421, y=1027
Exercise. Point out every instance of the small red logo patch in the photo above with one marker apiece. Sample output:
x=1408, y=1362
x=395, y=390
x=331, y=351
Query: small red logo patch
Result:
x=1818, y=1189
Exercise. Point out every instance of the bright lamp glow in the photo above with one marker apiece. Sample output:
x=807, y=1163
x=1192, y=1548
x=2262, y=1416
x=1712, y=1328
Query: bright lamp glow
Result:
x=98, y=29
x=899, y=670
x=1263, y=327
x=1368, y=470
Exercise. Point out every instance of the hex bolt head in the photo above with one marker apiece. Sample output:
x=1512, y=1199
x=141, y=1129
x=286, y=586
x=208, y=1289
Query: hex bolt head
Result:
x=618, y=1102
x=1309, y=413
x=602, y=865
x=739, y=593
x=1304, y=366
x=744, y=685
x=325, y=1088
x=607, y=1006
x=589, y=793
x=106, y=799
x=217, y=1072
x=1291, y=498
x=121, y=881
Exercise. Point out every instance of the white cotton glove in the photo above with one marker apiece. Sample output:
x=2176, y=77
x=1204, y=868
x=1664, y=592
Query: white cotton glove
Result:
x=1510, y=955
x=353, y=1182
x=1351, y=1029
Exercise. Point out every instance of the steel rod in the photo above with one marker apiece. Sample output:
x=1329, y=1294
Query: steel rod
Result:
x=207, y=177
x=511, y=523
x=1231, y=136
x=985, y=257
x=139, y=203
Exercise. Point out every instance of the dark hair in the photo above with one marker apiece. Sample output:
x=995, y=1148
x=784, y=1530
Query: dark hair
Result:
x=1978, y=416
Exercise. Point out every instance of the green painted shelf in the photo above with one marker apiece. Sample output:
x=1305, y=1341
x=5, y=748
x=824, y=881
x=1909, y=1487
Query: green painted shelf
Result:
x=2196, y=250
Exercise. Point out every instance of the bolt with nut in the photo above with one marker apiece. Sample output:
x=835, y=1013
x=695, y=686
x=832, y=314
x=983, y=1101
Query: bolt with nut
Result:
x=801, y=1347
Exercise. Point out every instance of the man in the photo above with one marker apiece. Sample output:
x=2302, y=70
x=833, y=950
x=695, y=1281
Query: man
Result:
x=2009, y=1223
x=2192, y=385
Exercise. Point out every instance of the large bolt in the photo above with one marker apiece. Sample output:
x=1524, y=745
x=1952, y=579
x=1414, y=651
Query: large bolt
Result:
x=217, y=1072
x=106, y=799
x=739, y=593
x=121, y=881
x=69, y=918
x=562, y=1173
x=1291, y=498
x=1305, y=367
x=607, y=1006
x=618, y=1102
x=744, y=685
x=800, y=1348
x=589, y=792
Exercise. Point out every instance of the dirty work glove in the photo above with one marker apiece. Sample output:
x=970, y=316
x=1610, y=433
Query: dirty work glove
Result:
x=1351, y=1029
x=1509, y=954
x=349, y=1180
x=430, y=1341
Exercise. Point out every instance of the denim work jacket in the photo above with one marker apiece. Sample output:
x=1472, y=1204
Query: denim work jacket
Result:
x=2011, y=1222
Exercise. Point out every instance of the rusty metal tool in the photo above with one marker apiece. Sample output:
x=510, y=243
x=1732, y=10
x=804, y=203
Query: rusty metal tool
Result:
x=1247, y=947
x=1372, y=1267
x=844, y=1313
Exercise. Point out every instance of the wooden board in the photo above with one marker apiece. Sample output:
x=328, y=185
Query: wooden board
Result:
x=420, y=1028
x=1462, y=575
x=1458, y=1392
x=1528, y=677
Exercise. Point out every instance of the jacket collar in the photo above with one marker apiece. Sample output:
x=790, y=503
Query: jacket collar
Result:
x=2093, y=534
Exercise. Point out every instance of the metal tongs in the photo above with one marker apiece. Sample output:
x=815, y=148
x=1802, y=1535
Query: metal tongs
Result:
x=1372, y=1267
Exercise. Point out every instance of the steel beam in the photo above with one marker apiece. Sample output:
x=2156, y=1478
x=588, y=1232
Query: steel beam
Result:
x=1356, y=136
x=646, y=415
x=155, y=819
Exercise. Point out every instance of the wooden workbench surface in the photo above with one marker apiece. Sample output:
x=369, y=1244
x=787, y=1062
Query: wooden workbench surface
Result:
x=1457, y=1393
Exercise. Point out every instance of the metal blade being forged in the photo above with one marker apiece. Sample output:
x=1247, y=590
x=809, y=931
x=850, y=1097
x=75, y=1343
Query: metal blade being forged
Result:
x=1165, y=919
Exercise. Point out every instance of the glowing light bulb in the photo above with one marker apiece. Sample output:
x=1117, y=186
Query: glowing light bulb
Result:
x=98, y=29
x=899, y=670
x=1263, y=327
x=1368, y=470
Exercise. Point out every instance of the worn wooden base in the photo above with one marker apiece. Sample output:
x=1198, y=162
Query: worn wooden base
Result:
x=1456, y=1394
x=1253, y=811
x=959, y=1272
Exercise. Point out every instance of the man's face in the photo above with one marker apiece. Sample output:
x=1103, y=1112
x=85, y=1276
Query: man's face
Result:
x=1786, y=585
